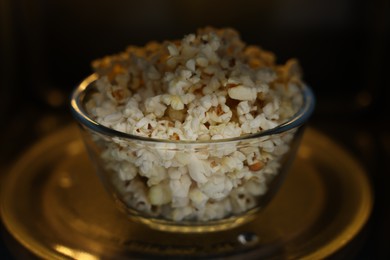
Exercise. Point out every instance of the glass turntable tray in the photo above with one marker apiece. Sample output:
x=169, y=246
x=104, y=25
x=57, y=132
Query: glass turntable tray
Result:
x=54, y=205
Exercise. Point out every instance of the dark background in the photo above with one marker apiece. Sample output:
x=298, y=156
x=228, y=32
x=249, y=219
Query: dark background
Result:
x=46, y=48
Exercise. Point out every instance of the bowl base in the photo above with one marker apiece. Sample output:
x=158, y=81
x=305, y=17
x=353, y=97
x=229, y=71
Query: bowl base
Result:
x=212, y=226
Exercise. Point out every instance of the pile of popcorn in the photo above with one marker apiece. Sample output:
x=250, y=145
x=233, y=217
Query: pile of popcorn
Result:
x=207, y=86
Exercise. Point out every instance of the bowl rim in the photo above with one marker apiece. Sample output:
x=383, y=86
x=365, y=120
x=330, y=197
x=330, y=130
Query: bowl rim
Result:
x=81, y=115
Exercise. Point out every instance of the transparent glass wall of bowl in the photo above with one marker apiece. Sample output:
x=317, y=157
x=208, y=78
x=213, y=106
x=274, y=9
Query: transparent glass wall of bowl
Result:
x=191, y=186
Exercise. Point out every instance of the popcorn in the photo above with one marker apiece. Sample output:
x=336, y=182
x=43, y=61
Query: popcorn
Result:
x=241, y=200
x=159, y=194
x=198, y=198
x=256, y=187
x=197, y=170
x=166, y=151
x=243, y=108
x=242, y=93
x=179, y=214
x=208, y=86
x=127, y=171
x=113, y=118
x=153, y=105
x=217, y=187
x=180, y=187
x=202, y=61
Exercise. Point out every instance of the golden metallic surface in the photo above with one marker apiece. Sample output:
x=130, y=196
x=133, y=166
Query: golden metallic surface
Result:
x=53, y=203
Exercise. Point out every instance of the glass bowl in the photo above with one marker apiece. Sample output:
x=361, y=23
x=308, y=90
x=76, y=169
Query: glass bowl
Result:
x=190, y=186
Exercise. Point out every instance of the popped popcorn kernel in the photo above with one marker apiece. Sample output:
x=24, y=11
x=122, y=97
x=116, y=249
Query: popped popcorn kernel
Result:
x=159, y=194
